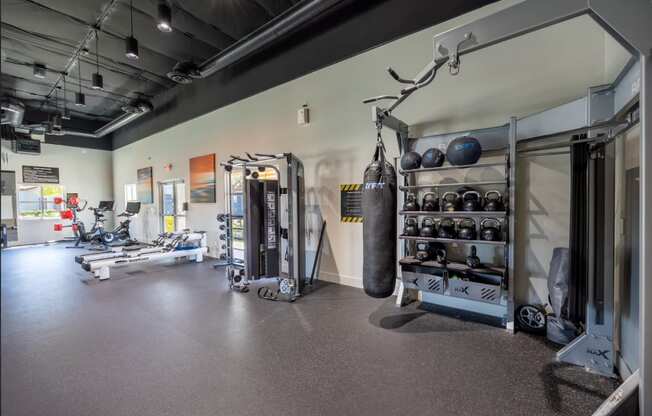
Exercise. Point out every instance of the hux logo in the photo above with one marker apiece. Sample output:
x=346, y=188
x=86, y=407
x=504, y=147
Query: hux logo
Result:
x=464, y=290
x=374, y=185
x=598, y=353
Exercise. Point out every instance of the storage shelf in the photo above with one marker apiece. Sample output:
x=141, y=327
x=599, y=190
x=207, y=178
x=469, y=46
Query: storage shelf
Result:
x=455, y=214
x=453, y=265
x=451, y=167
x=451, y=185
x=451, y=240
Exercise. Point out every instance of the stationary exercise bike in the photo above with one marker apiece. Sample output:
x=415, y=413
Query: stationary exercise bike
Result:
x=120, y=234
x=94, y=236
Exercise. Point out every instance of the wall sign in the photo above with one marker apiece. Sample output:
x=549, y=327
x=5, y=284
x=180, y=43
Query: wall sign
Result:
x=40, y=174
x=351, y=202
x=145, y=185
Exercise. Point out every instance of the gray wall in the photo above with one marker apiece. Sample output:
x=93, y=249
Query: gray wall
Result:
x=88, y=172
x=519, y=77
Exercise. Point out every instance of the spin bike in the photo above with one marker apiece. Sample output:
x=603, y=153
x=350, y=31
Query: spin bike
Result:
x=92, y=236
x=120, y=234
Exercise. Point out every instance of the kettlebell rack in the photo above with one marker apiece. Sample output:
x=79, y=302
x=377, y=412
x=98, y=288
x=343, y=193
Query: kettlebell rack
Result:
x=482, y=292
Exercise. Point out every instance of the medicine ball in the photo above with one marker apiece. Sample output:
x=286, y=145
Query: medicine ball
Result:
x=464, y=151
x=432, y=158
x=410, y=160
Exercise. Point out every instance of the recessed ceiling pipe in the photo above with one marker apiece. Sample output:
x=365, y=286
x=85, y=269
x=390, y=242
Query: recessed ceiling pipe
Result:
x=132, y=112
x=282, y=25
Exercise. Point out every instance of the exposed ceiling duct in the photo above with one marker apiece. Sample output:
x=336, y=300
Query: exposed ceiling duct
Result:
x=284, y=24
x=13, y=112
x=132, y=112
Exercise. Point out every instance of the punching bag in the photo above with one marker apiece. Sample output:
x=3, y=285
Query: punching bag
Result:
x=379, y=226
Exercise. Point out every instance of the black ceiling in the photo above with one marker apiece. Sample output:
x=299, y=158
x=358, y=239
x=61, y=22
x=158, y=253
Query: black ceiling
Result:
x=50, y=32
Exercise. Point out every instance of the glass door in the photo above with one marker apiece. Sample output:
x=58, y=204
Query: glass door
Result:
x=173, y=201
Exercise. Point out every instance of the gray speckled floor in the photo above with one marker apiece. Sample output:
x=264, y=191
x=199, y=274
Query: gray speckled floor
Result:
x=172, y=340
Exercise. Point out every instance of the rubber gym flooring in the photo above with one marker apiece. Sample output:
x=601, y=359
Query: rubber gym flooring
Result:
x=172, y=340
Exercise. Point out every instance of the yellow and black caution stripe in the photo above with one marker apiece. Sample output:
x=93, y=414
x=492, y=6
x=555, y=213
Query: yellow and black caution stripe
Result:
x=351, y=187
x=351, y=219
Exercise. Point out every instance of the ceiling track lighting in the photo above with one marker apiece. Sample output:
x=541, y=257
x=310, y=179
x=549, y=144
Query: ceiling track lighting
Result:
x=80, y=98
x=65, y=115
x=131, y=44
x=98, y=81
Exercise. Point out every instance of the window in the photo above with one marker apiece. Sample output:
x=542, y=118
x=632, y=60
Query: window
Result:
x=37, y=201
x=131, y=192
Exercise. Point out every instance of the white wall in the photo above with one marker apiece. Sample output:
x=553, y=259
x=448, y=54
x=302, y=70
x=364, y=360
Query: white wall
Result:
x=88, y=172
x=518, y=77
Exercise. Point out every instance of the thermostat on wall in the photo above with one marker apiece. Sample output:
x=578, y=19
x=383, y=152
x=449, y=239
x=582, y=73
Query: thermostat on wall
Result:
x=303, y=115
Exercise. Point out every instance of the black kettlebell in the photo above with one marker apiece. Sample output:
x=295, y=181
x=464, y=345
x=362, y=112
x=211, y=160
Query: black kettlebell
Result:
x=424, y=251
x=411, y=227
x=490, y=229
x=410, y=160
x=466, y=229
x=446, y=228
x=432, y=158
x=427, y=227
x=472, y=260
x=493, y=201
x=450, y=201
x=430, y=202
x=440, y=255
x=471, y=201
x=411, y=203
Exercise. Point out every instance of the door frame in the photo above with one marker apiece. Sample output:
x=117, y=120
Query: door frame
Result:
x=172, y=182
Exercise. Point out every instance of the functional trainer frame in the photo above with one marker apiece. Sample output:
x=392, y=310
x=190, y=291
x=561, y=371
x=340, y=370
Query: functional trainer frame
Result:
x=630, y=25
x=286, y=228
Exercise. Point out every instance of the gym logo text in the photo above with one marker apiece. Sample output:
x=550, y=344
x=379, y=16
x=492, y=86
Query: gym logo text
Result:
x=374, y=185
x=464, y=290
x=598, y=353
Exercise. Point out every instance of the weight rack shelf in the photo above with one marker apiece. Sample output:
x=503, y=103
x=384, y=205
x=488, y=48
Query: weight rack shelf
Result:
x=451, y=185
x=451, y=240
x=455, y=214
x=453, y=266
x=451, y=167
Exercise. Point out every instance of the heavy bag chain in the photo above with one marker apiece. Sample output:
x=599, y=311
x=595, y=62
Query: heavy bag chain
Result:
x=379, y=138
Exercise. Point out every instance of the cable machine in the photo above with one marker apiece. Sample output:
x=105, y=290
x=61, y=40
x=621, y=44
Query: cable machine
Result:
x=263, y=226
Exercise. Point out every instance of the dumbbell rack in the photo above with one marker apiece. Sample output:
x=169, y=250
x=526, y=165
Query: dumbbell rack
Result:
x=484, y=293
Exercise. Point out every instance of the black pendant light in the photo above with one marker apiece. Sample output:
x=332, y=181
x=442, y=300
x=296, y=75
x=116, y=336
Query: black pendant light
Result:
x=80, y=98
x=98, y=81
x=131, y=44
x=164, y=22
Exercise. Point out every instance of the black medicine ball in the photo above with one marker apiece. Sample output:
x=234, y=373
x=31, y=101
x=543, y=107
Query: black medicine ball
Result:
x=410, y=160
x=432, y=158
x=464, y=151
